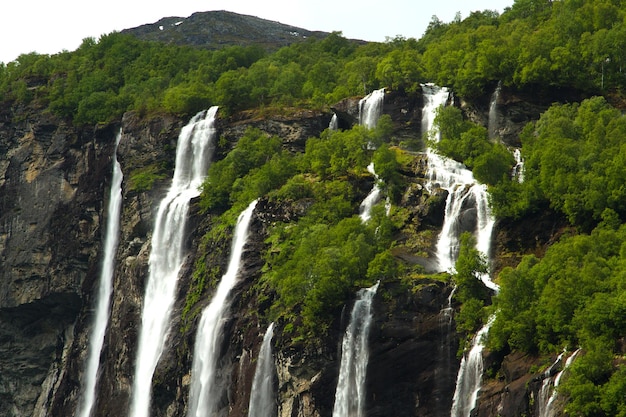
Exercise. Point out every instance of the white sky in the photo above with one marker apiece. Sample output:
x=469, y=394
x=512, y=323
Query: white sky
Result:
x=49, y=26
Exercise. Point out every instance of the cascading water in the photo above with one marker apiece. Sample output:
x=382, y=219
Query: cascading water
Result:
x=263, y=396
x=370, y=108
x=105, y=288
x=463, y=192
x=350, y=393
x=469, y=378
x=193, y=154
x=334, y=122
x=546, y=387
x=365, y=210
x=207, y=389
x=546, y=405
x=493, y=112
x=518, y=169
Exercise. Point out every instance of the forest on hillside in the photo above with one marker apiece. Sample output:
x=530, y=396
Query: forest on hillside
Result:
x=575, y=164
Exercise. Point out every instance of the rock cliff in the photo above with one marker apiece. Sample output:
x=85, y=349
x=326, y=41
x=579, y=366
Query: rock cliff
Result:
x=53, y=182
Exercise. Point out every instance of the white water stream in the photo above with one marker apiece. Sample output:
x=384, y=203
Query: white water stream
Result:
x=365, y=210
x=370, y=110
x=263, y=393
x=207, y=382
x=548, y=392
x=492, y=126
x=350, y=393
x=193, y=154
x=371, y=107
x=467, y=209
x=469, y=378
x=105, y=288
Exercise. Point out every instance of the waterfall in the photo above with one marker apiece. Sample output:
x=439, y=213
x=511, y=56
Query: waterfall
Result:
x=350, y=393
x=262, y=396
x=463, y=193
x=365, y=210
x=469, y=378
x=548, y=391
x=546, y=387
x=103, y=302
x=371, y=107
x=207, y=387
x=194, y=150
x=334, y=122
x=493, y=114
x=518, y=169
x=434, y=97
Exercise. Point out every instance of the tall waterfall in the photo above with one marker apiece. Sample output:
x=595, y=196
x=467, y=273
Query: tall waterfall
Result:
x=493, y=112
x=469, y=378
x=207, y=387
x=463, y=193
x=371, y=107
x=263, y=394
x=350, y=393
x=105, y=288
x=194, y=151
x=548, y=392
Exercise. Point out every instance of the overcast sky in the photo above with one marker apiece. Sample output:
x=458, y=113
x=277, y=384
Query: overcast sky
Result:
x=50, y=26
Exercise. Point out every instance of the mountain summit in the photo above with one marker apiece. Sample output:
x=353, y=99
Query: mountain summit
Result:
x=217, y=29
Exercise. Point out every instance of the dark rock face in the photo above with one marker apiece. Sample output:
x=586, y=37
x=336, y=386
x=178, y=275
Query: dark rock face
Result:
x=52, y=178
x=413, y=365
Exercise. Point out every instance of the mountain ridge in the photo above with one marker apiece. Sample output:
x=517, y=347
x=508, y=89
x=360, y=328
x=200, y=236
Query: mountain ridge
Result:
x=217, y=29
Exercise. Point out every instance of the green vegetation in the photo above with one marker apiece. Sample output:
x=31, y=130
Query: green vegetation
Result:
x=142, y=179
x=315, y=263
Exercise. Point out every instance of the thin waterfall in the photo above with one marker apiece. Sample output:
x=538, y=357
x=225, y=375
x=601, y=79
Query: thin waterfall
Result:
x=105, y=288
x=370, y=110
x=350, y=393
x=518, y=169
x=546, y=387
x=492, y=126
x=548, y=410
x=193, y=154
x=207, y=388
x=371, y=107
x=263, y=394
x=469, y=378
x=365, y=210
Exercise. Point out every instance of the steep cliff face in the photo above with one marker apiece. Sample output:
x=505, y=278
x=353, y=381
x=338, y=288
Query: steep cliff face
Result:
x=53, y=183
x=52, y=179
